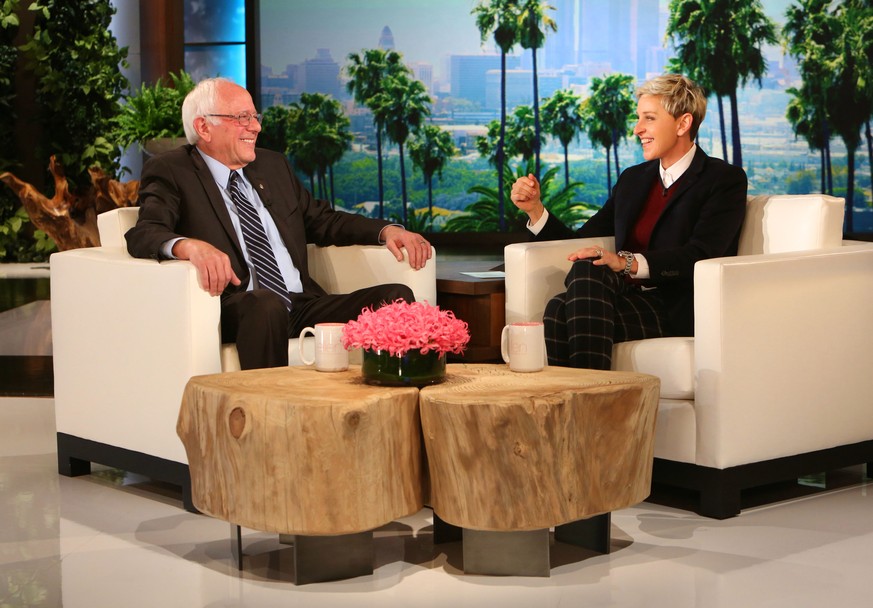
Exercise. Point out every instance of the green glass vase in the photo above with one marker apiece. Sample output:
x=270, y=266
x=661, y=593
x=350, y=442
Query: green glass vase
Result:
x=412, y=369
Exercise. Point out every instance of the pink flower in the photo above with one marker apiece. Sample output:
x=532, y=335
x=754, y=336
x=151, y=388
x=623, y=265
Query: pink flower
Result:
x=402, y=326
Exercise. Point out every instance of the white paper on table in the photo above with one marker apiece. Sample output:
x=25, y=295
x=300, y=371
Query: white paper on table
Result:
x=487, y=274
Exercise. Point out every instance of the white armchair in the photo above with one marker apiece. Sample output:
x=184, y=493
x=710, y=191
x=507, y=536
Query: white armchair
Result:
x=128, y=334
x=777, y=381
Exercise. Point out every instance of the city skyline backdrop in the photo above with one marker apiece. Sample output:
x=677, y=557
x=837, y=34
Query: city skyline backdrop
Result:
x=304, y=48
x=293, y=31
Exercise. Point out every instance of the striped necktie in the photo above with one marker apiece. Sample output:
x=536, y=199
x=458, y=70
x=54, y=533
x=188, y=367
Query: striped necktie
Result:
x=259, y=248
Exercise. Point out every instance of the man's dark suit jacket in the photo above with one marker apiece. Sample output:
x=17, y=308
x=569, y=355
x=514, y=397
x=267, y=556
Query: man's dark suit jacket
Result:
x=179, y=197
x=702, y=220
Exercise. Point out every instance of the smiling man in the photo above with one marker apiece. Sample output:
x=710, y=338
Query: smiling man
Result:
x=678, y=207
x=243, y=218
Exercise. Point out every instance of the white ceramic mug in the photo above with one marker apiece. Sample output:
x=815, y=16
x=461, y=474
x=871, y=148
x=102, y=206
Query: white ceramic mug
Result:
x=523, y=346
x=330, y=354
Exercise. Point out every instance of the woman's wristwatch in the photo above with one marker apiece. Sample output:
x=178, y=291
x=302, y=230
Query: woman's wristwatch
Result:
x=629, y=259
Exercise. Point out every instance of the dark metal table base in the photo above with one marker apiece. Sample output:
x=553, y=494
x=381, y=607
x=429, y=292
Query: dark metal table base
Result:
x=522, y=553
x=321, y=558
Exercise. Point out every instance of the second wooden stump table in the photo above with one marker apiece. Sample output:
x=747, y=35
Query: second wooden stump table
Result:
x=512, y=455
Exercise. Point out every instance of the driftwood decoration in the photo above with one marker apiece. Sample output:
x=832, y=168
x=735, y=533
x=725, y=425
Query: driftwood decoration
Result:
x=71, y=220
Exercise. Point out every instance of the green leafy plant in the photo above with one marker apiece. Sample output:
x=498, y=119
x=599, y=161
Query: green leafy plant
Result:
x=154, y=111
x=20, y=242
x=17, y=241
x=483, y=215
x=76, y=62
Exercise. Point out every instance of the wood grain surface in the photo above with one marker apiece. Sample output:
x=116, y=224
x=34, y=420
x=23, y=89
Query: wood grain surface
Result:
x=297, y=451
x=513, y=451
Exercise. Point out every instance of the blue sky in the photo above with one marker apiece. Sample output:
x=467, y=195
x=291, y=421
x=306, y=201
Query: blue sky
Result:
x=424, y=30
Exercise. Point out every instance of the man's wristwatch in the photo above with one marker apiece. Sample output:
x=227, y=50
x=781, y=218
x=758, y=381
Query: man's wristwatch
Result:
x=629, y=258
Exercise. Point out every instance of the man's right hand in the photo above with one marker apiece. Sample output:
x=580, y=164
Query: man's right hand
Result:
x=526, y=196
x=213, y=266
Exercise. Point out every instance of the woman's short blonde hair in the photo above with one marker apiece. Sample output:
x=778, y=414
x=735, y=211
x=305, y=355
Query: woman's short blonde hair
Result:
x=679, y=95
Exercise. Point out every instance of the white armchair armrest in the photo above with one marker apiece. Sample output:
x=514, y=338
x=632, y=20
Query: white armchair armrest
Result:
x=535, y=272
x=345, y=269
x=127, y=336
x=782, y=353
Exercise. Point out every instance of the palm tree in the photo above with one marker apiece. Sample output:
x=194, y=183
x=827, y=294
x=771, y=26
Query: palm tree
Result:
x=430, y=150
x=499, y=17
x=319, y=136
x=806, y=119
x=533, y=23
x=859, y=14
x=487, y=145
x=274, y=129
x=340, y=140
x=301, y=147
x=401, y=106
x=598, y=135
x=612, y=101
x=850, y=104
x=562, y=119
x=367, y=72
x=522, y=137
x=723, y=39
x=809, y=31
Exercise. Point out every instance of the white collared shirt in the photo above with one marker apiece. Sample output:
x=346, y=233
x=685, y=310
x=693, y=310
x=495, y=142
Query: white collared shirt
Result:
x=677, y=169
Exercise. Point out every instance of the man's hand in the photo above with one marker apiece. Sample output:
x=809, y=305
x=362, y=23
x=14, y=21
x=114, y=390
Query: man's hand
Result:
x=526, y=196
x=213, y=266
x=417, y=247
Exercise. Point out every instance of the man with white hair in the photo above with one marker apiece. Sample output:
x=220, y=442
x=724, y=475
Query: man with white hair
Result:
x=243, y=218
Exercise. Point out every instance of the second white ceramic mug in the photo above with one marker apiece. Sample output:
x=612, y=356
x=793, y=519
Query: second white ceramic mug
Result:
x=330, y=354
x=523, y=346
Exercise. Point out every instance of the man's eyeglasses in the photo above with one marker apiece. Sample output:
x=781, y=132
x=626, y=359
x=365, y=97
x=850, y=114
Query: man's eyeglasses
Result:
x=243, y=119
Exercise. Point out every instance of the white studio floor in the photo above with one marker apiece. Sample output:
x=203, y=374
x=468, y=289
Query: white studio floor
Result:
x=110, y=539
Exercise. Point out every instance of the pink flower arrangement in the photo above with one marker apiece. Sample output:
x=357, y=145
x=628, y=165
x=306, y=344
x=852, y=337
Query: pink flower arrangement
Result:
x=401, y=327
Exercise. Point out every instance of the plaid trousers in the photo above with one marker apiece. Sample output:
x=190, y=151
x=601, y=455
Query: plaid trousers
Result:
x=598, y=309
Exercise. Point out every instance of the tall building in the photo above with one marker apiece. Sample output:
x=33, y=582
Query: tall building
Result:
x=620, y=35
x=519, y=88
x=561, y=47
x=423, y=72
x=386, y=39
x=646, y=34
x=321, y=74
x=468, y=74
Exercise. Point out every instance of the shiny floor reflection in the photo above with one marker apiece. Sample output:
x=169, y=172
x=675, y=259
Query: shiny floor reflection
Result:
x=113, y=539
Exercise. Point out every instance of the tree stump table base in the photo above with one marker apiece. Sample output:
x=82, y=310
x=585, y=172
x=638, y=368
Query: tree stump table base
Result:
x=318, y=457
x=320, y=559
x=521, y=553
x=524, y=553
x=513, y=455
x=329, y=558
x=327, y=459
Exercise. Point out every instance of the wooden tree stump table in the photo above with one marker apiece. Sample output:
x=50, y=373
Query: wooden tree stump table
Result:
x=512, y=455
x=321, y=456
